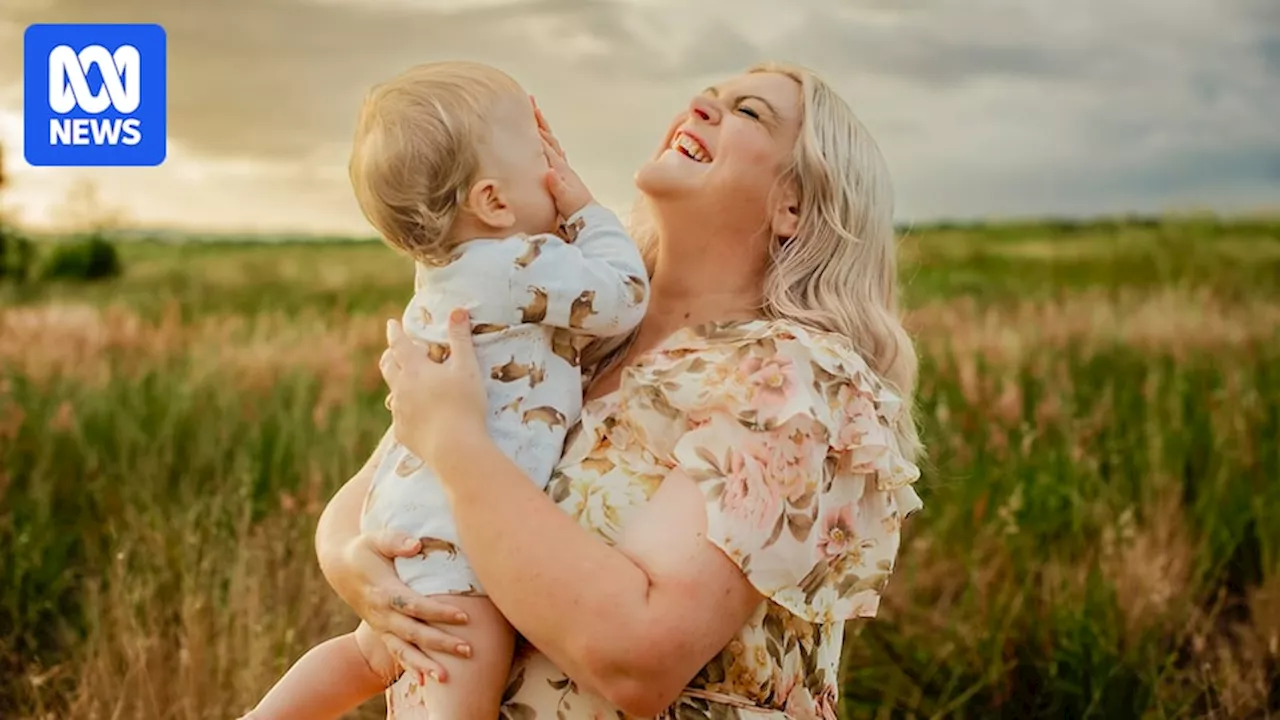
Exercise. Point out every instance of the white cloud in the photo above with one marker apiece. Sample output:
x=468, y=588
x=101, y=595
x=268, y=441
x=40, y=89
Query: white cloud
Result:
x=573, y=40
x=188, y=190
x=986, y=107
x=676, y=29
x=444, y=7
x=996, y=107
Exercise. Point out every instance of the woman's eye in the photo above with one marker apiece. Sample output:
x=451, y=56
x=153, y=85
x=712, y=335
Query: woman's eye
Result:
x=746, y=110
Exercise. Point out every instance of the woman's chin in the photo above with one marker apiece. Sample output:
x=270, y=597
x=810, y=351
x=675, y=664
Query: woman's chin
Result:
x=668, y=173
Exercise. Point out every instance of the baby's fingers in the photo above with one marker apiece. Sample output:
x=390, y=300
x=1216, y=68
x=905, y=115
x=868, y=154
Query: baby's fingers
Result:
x=555, y=158
x=544, y=127
x=549, y=138
x=555, y=184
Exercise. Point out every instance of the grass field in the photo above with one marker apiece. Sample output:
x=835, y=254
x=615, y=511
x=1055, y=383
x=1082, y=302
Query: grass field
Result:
x=1101, y=536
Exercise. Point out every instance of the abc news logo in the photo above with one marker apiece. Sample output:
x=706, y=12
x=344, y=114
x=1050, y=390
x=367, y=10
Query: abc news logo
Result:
x=69, y=89
x=94, y=95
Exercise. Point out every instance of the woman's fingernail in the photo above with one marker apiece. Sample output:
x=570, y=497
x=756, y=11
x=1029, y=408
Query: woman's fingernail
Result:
x=458, y=315
x=409, y=543
x=464, y=650
x=460, y=617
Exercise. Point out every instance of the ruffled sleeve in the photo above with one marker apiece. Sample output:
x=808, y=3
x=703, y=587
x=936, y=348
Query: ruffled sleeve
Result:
x=787, y=434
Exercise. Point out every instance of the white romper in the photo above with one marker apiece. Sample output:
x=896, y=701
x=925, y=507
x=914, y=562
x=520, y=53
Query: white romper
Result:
x=535, y=301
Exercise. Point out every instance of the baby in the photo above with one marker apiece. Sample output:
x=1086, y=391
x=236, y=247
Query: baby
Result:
x=451, y=165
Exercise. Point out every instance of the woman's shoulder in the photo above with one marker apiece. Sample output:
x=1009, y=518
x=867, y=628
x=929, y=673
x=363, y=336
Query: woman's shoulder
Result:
x=766, y=372
x=784, y=427
x=730, y=339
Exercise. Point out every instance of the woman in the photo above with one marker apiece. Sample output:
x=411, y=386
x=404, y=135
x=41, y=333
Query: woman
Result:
x=734, y=489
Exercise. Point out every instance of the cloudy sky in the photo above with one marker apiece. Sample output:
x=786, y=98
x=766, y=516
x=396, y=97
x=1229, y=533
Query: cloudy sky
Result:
x=983, y=107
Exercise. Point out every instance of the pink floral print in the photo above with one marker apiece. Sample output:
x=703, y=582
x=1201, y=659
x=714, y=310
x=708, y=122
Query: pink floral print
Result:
x=786, y=431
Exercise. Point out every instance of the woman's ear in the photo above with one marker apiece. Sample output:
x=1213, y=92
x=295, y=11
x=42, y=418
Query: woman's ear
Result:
x=786, y=214
x=489, y=205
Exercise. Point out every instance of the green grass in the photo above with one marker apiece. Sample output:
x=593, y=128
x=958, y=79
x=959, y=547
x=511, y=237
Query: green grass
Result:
x=1101, y=404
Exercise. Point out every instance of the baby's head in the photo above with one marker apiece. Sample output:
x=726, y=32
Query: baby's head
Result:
x=447, y=152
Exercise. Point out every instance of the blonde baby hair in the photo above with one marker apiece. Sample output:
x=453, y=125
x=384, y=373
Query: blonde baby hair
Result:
x=415, y=152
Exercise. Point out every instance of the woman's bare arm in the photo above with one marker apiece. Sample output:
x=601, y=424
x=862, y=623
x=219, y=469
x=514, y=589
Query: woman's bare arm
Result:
x=339, y=523
x=359, y=568
x=634, y=622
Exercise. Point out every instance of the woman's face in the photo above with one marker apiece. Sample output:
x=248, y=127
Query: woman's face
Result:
x=727, y=148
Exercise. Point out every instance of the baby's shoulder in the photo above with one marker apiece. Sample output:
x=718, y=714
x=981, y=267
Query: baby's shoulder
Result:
x=489, y=256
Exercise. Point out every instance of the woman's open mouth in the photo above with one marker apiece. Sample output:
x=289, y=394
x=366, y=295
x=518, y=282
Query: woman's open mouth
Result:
x=690, y=147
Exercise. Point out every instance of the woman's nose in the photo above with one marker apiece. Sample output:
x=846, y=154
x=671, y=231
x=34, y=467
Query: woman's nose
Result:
x=704, y=109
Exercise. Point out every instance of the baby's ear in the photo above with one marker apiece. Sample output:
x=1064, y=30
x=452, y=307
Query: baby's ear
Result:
x=489, y=205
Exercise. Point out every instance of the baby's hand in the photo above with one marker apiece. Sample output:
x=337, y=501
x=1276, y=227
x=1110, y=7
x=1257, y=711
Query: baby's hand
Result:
x=567, y=189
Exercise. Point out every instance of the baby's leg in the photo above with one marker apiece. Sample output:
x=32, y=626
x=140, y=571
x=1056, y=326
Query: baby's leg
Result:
x=473, y=686
x=332, y=678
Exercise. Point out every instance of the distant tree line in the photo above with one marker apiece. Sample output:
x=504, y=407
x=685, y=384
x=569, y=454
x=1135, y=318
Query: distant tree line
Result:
x=16, y=251
x=87, y=256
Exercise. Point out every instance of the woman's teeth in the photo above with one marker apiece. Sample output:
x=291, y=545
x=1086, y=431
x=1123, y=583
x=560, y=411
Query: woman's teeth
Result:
x=687, y=145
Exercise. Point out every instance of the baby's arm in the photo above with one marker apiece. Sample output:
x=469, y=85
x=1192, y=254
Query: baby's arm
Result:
x=595, y=284
x=331, y=679
x=593, y=281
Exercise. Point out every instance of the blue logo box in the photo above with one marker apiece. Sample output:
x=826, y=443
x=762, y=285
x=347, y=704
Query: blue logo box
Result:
x=94, y=95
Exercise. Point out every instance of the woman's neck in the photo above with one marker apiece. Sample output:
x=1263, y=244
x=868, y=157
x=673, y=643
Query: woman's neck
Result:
x=695, y=290
x=686, y=291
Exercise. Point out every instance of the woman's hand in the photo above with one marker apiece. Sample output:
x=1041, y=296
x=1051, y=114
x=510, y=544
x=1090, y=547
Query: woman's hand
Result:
x=437, y=408
x=365, y=578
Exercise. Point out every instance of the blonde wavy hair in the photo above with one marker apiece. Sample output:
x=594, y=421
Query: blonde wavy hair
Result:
x=415, y=152
x=840, y=271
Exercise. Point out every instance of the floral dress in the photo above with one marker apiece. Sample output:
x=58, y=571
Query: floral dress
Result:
x=786, y=431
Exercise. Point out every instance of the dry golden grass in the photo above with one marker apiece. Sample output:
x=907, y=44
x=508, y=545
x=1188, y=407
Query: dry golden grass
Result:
x=1097, y=540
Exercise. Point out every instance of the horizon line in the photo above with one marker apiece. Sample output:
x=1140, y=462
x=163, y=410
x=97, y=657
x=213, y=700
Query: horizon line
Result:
x=1265, y=214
